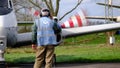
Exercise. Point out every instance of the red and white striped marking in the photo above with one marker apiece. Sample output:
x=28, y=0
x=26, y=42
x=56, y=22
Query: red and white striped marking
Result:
x=77, y=20
x=34, y=13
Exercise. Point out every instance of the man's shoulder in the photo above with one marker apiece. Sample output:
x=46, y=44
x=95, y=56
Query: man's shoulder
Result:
x=45, y=19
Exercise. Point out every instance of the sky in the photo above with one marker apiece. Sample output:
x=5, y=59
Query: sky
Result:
x=90, y=7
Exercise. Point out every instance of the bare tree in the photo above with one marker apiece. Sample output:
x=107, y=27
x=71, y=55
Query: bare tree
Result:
x=38, y=5
x=54, y=10
x=21, y=9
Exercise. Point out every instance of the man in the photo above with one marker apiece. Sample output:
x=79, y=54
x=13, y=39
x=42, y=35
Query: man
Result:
x=58, y=30
x=44, y=39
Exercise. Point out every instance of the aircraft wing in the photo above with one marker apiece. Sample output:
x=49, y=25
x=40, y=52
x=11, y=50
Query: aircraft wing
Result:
x=115, y=6
x=89, y=29
x=77, y=31
x=103, y=17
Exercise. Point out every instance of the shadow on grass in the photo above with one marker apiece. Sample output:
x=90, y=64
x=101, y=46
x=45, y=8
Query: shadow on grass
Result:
x=74, y=59
x=64, y=59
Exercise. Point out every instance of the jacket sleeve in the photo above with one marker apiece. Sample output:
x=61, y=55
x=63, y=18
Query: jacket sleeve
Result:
x=34, y=34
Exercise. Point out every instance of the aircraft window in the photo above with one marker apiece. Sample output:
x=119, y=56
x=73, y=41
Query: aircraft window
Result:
x=3, y=3
x=4, y=7
x=10, y=4
x=4, y=11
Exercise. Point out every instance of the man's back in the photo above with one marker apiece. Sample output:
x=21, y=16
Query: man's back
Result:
x=45, y=33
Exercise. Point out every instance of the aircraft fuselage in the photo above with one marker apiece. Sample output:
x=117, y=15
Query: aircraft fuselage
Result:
x=8, y=26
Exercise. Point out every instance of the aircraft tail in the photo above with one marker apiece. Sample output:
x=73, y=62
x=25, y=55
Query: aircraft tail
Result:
x=77, y=20
x=34, y=13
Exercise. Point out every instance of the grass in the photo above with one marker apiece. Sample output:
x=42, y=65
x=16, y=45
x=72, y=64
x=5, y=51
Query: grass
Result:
x=100, y=53
x=88, y=48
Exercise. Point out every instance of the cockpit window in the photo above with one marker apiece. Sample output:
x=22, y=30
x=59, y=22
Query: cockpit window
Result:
x=3, y=3
x=4, y=7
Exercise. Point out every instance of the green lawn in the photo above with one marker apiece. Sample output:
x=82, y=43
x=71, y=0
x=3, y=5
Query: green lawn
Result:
x=87, y=48
x=84, y=53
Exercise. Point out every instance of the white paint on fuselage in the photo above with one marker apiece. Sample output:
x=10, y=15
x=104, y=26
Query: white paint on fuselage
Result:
x=8, y=20
x=8, y=27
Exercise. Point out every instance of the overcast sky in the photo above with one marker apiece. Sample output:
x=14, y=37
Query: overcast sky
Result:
x=90, y=7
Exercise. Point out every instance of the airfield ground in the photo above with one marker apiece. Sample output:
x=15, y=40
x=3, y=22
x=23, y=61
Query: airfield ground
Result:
x=74, y=65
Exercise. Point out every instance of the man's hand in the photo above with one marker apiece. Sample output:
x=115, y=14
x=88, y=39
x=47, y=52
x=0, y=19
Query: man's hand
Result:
x=34, y=47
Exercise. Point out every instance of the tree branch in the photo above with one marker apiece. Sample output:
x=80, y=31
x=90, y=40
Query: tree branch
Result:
x=18, y=9
x=51, y=6
x=35, y=4
x=57, y=7
x=79, y=2
x=47, y=4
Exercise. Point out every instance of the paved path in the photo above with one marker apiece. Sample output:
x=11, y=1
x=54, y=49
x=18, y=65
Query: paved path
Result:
x=76, y=65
